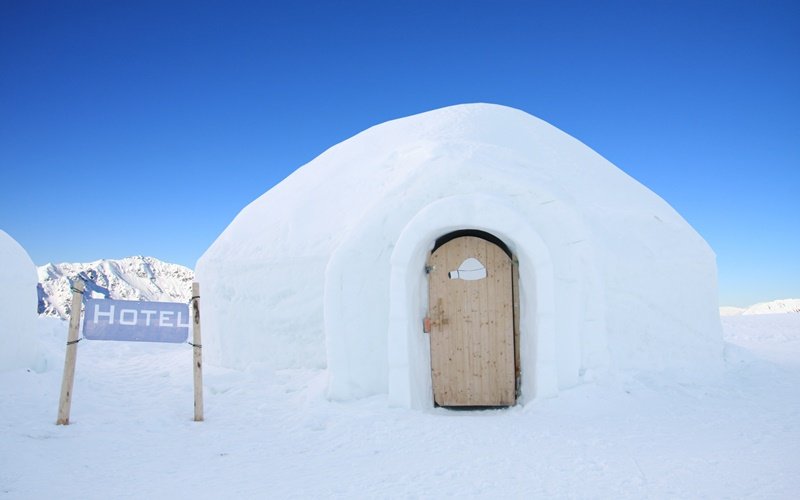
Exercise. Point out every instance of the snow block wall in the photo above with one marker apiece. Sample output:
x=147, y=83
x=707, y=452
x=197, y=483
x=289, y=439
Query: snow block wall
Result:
x=327, y=268
x=18, y=301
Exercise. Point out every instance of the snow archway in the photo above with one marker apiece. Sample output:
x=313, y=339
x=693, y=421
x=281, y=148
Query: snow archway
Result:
x=409, y=348
x=554, y=348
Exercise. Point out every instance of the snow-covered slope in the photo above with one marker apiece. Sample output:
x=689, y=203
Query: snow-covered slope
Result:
x=131, y=278
x=773, y=307
x=776, y=306
x=731, y=310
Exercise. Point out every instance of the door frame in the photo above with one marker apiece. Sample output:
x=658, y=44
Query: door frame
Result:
x=408, y=348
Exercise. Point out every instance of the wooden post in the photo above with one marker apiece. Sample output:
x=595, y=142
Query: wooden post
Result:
x=72, y=353
x=198, y=354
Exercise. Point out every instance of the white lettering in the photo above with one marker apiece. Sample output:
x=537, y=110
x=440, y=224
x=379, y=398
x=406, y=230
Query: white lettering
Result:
x=134, y=316
x=162, y=320
x=109, y=314
x=181, y=324
x=147, y=314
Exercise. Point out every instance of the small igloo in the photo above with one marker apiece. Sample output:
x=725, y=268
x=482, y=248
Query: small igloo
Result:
x=18, y=303
x=469, y=256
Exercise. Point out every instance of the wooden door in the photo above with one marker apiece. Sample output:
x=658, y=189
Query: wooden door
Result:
x=472, y=324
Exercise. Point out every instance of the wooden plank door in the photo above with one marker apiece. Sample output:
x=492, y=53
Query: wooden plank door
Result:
x=472, y=324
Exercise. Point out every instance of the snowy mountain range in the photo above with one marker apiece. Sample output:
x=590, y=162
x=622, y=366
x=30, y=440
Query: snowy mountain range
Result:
x=131, y=278
x=773, y=307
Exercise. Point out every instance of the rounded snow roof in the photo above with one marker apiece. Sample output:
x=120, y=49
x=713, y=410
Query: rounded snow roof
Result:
x=458, y=149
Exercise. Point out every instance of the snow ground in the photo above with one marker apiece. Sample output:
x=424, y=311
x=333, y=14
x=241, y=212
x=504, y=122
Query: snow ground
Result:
x=274, y=435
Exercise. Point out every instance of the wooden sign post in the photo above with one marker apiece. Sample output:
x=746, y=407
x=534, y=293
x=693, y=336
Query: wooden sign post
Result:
x=72, y=354
x=109, y=319
x=198, y=354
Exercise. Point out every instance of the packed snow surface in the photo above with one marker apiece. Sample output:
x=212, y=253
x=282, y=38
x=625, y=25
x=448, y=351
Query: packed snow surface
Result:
x=131, y=278
x=17, y=306
x=274, y=434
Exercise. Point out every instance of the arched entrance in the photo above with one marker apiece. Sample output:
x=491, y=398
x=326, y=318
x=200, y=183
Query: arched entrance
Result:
x=408, y=347
x=473, y=321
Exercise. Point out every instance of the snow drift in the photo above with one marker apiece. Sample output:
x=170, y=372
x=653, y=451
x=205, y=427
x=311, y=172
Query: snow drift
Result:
x=18, y=347
x=328, y=267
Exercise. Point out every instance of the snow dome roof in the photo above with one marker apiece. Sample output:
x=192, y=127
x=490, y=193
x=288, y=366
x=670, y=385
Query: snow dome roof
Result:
x=616, y=278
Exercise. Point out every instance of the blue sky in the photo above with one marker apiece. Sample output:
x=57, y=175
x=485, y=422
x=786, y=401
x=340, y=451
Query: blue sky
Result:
x=144, y=127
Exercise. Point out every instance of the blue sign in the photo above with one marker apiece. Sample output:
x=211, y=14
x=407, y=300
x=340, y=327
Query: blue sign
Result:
x=107, y=319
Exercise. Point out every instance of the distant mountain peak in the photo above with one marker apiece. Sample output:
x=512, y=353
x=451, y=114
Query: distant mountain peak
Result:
x=131, y=278
x=773, y=307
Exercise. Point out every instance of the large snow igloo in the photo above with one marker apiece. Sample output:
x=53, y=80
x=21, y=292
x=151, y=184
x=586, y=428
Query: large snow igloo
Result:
x=448, y=255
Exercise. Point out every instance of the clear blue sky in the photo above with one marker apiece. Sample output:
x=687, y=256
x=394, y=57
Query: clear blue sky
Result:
x=144, y=127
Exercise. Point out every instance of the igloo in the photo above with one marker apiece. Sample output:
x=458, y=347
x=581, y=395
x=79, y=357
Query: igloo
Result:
x=468, y=256
x=18, y=302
